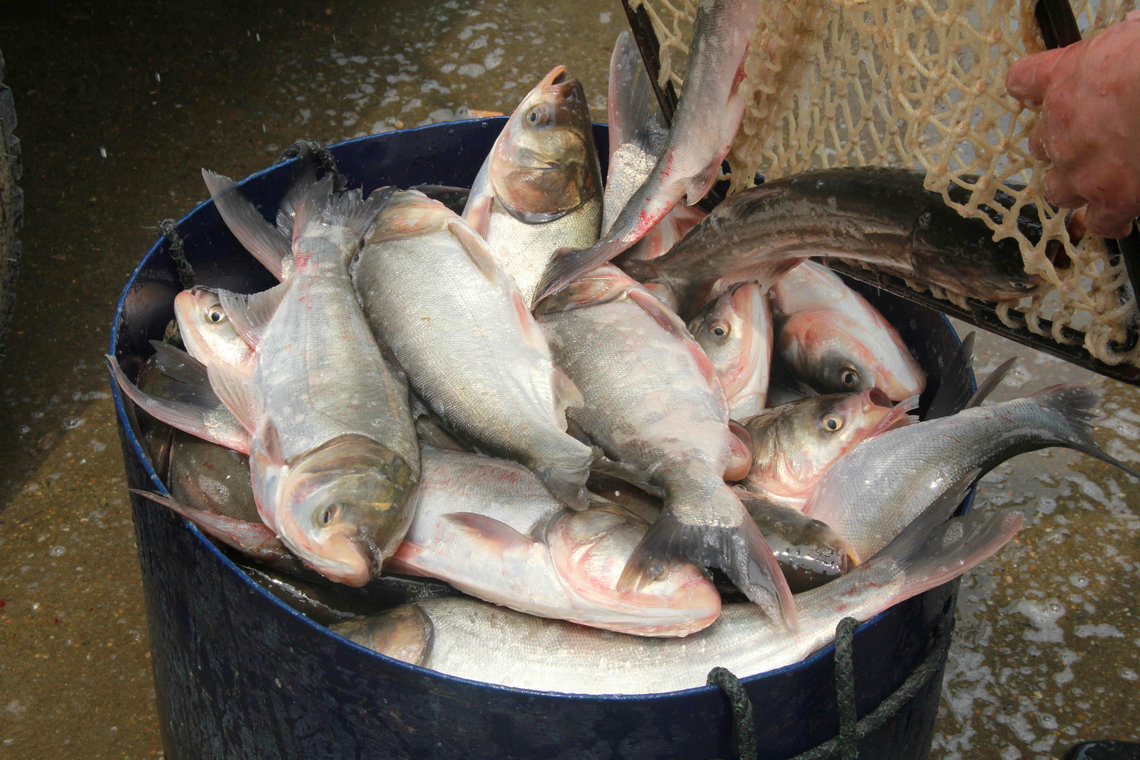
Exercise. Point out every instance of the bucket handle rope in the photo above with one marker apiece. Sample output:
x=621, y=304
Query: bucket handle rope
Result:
x=845, y=745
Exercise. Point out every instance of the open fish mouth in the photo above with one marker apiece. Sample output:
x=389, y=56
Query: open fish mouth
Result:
x=899, y=414
x=566, y=89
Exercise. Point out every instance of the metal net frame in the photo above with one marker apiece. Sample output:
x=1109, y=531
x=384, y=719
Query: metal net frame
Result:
x=920, y=84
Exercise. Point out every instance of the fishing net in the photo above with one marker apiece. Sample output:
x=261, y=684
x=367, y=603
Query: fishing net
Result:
x=920, y=84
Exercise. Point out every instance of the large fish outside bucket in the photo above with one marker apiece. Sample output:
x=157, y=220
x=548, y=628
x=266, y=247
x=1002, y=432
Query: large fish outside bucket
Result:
x=239, y=674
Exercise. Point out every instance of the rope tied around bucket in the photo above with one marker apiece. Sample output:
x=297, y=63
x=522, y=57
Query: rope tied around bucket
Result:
x=321, y=155
x=169, y=230
x=743, y=725
x=844, y=746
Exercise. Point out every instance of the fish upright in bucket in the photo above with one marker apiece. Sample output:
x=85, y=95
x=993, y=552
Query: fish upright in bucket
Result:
x=333, y=452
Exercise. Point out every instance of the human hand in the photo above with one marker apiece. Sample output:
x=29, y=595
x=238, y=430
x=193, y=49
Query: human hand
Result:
x=1089, y=127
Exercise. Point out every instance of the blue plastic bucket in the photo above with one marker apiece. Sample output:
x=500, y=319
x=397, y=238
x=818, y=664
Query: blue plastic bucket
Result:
x=239, y=674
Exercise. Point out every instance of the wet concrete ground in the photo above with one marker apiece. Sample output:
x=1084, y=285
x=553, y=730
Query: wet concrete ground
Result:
x=120, y=104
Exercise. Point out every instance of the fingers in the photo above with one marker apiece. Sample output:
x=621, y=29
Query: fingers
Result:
x=1108, y=223
x=1060, y=191
x=1029, y=77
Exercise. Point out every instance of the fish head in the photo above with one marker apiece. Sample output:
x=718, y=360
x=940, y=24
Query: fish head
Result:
x=834, y=424
x=590, y=549
x=834, y=353
x=545, y=164
x=736, y=334
x=343, y=507
x=206, y=329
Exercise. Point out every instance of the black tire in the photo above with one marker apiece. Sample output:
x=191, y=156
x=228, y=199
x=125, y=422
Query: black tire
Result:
x=11, y=206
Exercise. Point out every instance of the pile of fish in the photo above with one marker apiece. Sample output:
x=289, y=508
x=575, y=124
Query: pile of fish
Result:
x=585, y=406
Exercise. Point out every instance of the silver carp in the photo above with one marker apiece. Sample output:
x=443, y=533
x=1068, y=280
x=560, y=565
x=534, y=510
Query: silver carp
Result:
x=457, y=324
x=735, y=332
x=830, y=337
x=850, y=496
x=477, y=641
x=795, y=443
x=489, y=528
x=654, y=405
x=333, y=453
x=708, y=115
x=540, y=187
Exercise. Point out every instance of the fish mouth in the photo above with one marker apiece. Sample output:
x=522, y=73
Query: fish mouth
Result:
x=899, y=414
x=567, y=90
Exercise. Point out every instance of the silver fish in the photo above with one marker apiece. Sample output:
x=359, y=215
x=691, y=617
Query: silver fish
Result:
x=206, y=329
x=333, y=452
x=708, y=115
x=795, y=443
x=473, y=640
x=540, y=187
x=489, y=528
x=830, y=337
x=887, y=468
x=638, y=135
x=735, y=332
x=462, y=331
x=654, y=405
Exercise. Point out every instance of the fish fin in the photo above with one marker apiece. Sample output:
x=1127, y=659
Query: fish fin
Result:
x=249, y=313
x=238, y=394
x=602, y=285
x=698, y=186
x=310, y=205
x=738, y=549
x=304, y=177
x=626, y=473
x=476, y=249
x=252, y=539
x=991, y=382
x=262, y=239
x=566, y=479
x=947, y=550
x=1076, y=404
x=179, y=365
x=630, y=98
x=194, y=412
x=455, y=198
x=492, y=535
x=354, y=212
x=955, y=388
x=481, y=200
x=566, y=393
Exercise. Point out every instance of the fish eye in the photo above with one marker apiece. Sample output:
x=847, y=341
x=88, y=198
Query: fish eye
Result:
x=720, y=329
x=849, y=377
x=536, y=116
x=832, y=423
x=328, y=515
x=215, y=314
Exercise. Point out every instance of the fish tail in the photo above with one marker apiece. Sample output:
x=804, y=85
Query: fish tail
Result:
x=739, y=549
x=565, y=478
x=1077, y=406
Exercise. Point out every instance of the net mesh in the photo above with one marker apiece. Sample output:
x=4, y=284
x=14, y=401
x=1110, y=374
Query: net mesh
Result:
x=920, y=84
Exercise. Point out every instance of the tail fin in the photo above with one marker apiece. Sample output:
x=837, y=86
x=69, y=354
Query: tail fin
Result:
x=1076, y=404
x=266, y=242
x=737, y=547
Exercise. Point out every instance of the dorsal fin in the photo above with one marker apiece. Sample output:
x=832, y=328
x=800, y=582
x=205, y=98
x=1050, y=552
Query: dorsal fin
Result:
x=249, y=313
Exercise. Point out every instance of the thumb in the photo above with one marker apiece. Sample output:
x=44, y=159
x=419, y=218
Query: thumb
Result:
x=1028, y=77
